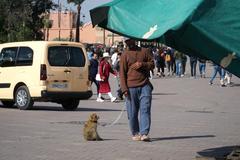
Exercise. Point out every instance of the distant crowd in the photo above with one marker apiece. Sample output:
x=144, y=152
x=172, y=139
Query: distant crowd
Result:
x=168, y=62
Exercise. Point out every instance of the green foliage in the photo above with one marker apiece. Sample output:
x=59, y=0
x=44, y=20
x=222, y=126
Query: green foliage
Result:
x=47, y=23
x=23, y=19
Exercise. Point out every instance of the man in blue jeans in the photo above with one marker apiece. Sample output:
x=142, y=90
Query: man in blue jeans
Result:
x=135, y=66
x=221, y=71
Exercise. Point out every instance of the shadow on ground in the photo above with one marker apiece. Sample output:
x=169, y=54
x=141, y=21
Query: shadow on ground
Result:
x=163, y=94
x=103, y=124
x=219, y=153
x=235, y=85
x=47, y=108
x=57, y=108
x=181, y=137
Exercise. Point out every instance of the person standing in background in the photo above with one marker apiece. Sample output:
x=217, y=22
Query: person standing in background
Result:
x=116, y=67
x=89, y=53
x=202, y=67
x=184, y=62
x=178, y=61
x=193, y=66
x=93, y=70
x=114, y=56
x=160, y=62
x=169, y=61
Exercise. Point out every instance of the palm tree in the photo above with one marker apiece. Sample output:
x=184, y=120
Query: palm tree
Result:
x=47, y=25
x=78, y=3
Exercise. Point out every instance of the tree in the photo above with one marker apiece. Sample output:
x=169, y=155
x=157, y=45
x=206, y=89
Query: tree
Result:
x=39, y=9
x=47, y=25
x=22, y=20
x=2, y=21
x=78, y=3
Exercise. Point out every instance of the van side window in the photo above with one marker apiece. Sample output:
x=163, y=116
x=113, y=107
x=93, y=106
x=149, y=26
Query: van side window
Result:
x=66, y=56
x=25, y=56
x=8, y=56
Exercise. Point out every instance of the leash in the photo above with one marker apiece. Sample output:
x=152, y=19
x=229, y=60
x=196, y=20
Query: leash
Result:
x=117, y=119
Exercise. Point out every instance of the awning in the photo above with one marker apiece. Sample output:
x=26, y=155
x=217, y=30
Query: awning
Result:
x=205, y=28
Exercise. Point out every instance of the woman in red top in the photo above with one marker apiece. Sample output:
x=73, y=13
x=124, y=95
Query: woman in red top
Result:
x=104, y=70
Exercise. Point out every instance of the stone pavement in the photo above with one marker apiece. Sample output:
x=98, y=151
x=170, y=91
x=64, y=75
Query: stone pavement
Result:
x=190, y=120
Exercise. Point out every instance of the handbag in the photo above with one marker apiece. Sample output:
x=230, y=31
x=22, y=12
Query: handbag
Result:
x=98, y=77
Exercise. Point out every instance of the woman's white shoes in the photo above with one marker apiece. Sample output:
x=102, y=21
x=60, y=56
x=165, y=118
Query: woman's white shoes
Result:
x=113, y=99
x=100, y=100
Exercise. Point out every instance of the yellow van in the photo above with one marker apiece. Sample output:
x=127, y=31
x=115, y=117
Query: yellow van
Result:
x=43, y=71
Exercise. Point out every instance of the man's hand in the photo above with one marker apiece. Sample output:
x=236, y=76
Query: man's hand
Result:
x=136, y=65
x=126, y=94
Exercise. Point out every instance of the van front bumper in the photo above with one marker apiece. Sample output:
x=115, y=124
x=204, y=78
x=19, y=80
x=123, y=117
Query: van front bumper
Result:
x=66, y=95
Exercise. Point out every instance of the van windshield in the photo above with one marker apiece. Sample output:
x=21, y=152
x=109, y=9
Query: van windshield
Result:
x=66, y=56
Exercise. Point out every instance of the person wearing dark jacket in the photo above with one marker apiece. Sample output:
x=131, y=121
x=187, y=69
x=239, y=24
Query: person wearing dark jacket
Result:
x=93, y=70
x=135, y=66
x=193, y=66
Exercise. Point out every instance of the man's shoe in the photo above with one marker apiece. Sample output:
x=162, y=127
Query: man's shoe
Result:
x=136, y=137
x=113, y=99
x=145, y=138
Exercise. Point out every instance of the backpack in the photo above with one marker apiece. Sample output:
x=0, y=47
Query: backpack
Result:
x=168, y=57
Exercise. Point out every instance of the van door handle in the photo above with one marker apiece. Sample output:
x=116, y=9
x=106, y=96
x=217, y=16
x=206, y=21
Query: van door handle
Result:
x=67, y=71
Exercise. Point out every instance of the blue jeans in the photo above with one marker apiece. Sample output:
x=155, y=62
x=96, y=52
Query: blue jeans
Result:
x=202, y=68
x=217, y=69
x=139, y=99
x=178, y=67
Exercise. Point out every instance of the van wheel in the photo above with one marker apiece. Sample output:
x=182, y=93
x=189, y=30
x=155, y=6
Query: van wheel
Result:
x=70, y=105
x=8, y=104
x=23, y=99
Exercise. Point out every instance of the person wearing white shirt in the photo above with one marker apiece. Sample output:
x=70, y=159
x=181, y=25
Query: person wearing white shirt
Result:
x=114, y=56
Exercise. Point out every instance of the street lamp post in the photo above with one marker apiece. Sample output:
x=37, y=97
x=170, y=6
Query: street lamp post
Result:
x=59, y=20
x=104, y=37
x=70, y=23
x=112, y=39
x=77, y=39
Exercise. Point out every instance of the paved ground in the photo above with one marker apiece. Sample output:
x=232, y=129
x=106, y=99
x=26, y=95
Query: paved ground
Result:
x=189, y=119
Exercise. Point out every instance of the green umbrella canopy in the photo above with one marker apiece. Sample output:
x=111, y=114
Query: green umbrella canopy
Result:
x=204, y=28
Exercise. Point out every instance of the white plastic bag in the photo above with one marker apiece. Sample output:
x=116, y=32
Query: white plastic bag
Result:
x=98, y=77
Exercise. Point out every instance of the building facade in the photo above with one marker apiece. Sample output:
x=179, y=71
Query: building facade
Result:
x=64, y=28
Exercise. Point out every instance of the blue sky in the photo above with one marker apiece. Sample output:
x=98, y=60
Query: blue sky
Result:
x=86, y=6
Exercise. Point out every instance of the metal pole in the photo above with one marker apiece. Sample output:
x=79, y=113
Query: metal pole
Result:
x=59, y=20
x=112, y=39
x=104, y=37
x=70, y=20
